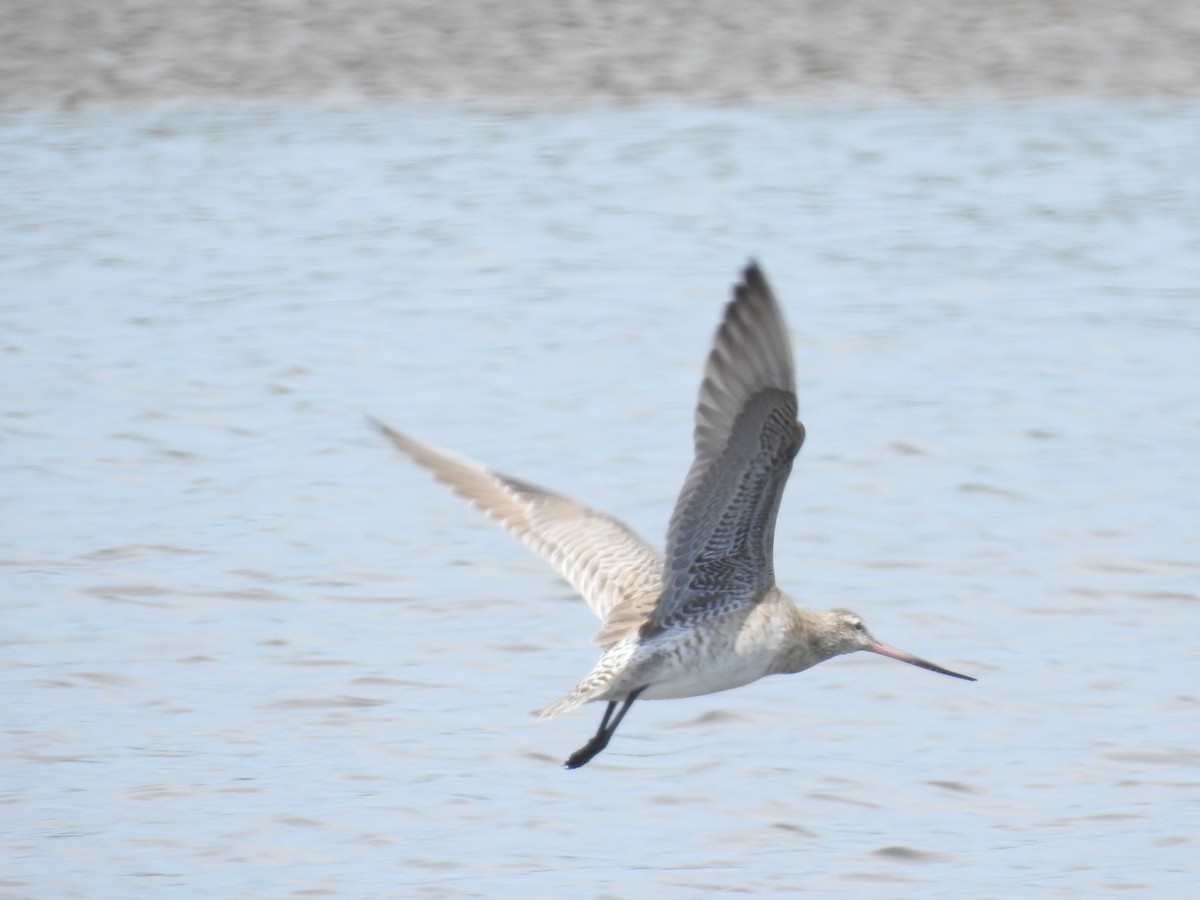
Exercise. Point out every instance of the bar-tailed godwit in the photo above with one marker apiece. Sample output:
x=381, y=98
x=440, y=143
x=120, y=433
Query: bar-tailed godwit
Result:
x=707, y=616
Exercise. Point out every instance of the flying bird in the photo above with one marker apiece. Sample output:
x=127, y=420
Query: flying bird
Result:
x=707, y=615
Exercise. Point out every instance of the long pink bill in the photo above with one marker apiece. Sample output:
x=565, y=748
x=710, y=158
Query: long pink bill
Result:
x=884, y=650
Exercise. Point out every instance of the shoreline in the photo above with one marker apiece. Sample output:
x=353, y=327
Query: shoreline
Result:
x=71, y=54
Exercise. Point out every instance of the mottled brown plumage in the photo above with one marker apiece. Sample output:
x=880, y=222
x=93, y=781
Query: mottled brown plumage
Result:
x=708, y=616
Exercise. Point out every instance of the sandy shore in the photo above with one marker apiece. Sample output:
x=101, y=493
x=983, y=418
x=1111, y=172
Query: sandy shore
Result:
x=71, y=53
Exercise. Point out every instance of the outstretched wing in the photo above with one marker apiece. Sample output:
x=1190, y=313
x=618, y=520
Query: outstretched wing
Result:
x=615, y=571
x=720, y=544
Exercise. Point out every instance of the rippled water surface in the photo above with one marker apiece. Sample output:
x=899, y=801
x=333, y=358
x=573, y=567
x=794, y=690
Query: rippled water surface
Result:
x=248, y=651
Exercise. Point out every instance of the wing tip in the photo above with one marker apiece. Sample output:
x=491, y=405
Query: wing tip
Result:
x=399, y=440
x=754, y=280
x=379, y=425
x=754, y=320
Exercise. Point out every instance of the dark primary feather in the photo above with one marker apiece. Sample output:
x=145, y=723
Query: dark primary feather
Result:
x=721, y=537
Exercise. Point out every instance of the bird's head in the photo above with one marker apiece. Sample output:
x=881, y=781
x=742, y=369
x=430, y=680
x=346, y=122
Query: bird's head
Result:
x=846, y=632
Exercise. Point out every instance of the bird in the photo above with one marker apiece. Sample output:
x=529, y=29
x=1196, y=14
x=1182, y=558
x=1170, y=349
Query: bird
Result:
x=706, y=615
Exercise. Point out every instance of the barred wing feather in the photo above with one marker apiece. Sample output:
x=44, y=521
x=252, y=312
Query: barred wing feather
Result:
x=720, y=542
x=617, y=573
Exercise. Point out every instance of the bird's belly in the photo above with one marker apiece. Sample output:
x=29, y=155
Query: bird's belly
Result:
x=693, y=674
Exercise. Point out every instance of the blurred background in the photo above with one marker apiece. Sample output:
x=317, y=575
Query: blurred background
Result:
x=249, y=651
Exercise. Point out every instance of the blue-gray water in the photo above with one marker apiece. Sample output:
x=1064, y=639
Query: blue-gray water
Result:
x=249, y=651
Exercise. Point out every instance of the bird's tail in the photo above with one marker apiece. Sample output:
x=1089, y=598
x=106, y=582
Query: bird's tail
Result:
x=589, y=689
x=575, y=698
x=594, y=686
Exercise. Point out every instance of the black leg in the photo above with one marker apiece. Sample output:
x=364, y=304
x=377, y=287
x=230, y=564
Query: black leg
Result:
x=598, y=742
x=603, y=734
x=608, y=711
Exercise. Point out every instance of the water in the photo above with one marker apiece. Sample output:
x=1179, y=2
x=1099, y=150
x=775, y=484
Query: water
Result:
x=248, y=651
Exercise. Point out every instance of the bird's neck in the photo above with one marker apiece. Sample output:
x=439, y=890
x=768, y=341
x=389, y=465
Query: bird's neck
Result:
x=807, y=642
